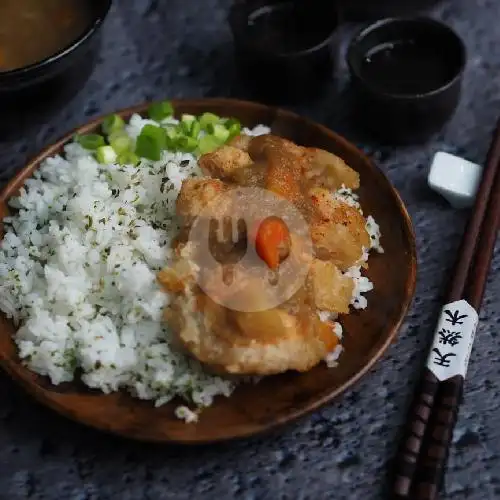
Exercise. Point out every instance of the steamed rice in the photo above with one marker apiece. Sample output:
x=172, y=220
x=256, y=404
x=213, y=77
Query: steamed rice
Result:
x=78, y=266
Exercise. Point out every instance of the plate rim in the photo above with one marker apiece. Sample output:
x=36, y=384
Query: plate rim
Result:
x=293, y=415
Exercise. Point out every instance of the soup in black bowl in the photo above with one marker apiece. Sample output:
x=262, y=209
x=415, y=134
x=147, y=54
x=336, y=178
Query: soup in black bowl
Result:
x=32, y=30
x=48, y=49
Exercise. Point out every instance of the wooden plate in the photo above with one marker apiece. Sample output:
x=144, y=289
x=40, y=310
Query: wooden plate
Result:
x=278, y=399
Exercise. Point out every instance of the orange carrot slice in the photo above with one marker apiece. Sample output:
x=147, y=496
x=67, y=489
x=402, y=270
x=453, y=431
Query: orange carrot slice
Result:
x=271, y=234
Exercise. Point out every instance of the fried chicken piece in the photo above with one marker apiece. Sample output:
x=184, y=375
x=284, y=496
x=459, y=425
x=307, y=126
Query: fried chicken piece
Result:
x=278, y=164
x=224, y=161
x=268, y=341
x=201, y=194
x=253, y=175
x=182, y=273
x=261, y=146
x=241, y=141
x=332, y=290
x=338, y=230
x=284, y=166
x=283, y=176
x=324, y=169
x=254, y=343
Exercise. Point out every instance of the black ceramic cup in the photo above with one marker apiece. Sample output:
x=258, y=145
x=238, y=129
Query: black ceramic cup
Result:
x=29, y=94
x=406, y=76
x=284, y=50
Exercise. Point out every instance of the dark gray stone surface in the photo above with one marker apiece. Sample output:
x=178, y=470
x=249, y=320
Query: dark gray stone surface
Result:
x=182, y=49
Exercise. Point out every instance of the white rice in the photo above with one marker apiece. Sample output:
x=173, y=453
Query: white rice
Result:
x=78, y=270
x=362, y=284
x=374, y=231
x=186, y=414
x=331, y=359
x=348, y=196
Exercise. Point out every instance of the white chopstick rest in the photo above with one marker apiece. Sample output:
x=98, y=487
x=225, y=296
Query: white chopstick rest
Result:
x=453, y=339
x=454, y=178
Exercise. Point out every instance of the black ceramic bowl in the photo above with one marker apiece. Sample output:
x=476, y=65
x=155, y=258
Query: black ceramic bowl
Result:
x=28, y=93
x=406, y=76
x=284, y=50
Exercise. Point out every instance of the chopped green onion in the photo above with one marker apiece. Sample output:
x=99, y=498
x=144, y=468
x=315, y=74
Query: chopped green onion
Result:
x=220, y=132
x=207, y=119
x=172, y=134
x=187, y=144
x=158, y=111
x=195, y=129
x=233, y=126
x=188, y=119
x=106, y=154
x=120, y=141
x=90, y=141
x=150, y=142
x=128, y=158
x=187, y=123
x=207, y=144
x=172, y=131
x=112, y=123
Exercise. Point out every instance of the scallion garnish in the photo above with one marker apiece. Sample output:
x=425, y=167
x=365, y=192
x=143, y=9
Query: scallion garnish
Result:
x=150, y=142
x=233, y=126
x=120, y=141
x=187, y=144
x=172, y=134
x=192, y=134
x=195, y=129
x=207, y=144
x=112, y=123
x=158, y=111
x=105, y=154
x=207, y=119
x=128, y=158
x=220, y=132
x=90, y=141
x=186, y=123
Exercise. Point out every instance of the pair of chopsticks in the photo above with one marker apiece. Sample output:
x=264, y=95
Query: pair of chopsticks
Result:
x=421, y=460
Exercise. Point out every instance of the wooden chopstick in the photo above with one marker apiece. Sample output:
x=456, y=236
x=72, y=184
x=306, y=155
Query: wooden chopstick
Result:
x=435, y=448
x=443, y=418
x=421, y=459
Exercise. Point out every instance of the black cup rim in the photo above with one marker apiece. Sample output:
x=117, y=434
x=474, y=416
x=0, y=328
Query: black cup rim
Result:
x=281, y=55
x=64, y=51
x=415, y=21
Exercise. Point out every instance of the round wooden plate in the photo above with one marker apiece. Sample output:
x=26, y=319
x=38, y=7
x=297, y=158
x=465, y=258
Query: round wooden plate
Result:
x=275, y=400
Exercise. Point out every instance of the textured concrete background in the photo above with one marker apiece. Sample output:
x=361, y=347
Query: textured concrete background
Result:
x=175, y=48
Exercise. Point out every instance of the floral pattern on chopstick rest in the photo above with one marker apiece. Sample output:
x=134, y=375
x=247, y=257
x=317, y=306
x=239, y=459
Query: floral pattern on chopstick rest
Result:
x=453, y=339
